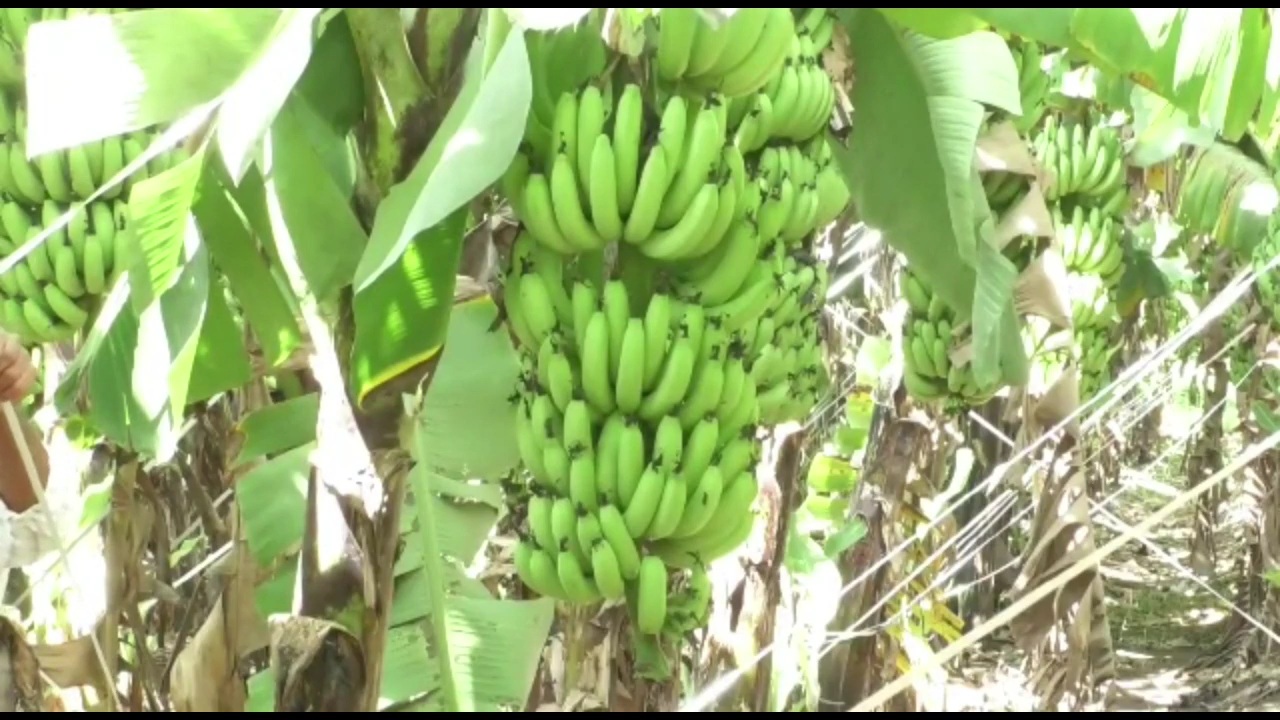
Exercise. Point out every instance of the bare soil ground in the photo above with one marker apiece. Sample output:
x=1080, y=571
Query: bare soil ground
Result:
x=1165, y=619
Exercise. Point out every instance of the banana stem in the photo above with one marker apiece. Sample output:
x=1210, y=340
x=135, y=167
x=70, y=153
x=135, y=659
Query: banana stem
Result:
x=575, y=639
x=393, y=87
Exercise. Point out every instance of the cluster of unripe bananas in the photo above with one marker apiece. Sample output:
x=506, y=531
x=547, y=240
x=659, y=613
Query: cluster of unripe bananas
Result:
x=639, y=433
x=1085, y=159
x=929, y=338
x=663, y=297
x=1088, y=196
x=1090, y=242
x=50, y=294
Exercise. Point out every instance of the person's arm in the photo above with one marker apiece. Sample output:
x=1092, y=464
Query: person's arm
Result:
x=17, y=379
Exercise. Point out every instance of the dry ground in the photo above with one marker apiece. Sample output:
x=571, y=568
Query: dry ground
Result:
x=1164, y=618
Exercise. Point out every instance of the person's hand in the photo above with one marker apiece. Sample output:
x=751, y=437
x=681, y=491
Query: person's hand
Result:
x=17, y=372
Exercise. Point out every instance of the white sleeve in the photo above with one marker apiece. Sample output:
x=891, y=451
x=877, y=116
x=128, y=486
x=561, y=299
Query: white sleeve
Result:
x=27, y=536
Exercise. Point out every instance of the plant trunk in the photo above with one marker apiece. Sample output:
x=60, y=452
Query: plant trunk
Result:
x=1260, y=500
x=853, y=670
x=328, y=656
x=1205, y=456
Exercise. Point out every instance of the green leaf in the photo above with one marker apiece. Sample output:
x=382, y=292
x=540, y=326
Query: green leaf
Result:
x=74, y=383
x=159, y=214
x=941, y=23
x=803, y=554
x=328, y=236
x=138, y=69
x=920, y=104
x=844, y=538
x=485, y=651
x=468, y=420
x=127, y=399
x=910, y=156
x=96, y=502
x=462, y=529
x=1272, y=577
x=992, y=312
x=272, y=498
x=562, y=61
x=1249, y=79
x=1227, y=195
x=1269, y=102
x=1209, y=62
x=278, y=427
x=402, y=319
x=1160, y=129
x=250, y=105
x=1051, y=26
x=222, y=361
x=472, y=148
x=1125, y=40
x=332, y=84
x=237, y=254
x=496, y=647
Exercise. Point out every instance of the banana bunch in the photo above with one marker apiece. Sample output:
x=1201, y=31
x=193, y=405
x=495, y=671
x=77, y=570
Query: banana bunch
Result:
x=1090, y=242
x=676, y=359
x=787, y=361
x=1091, y=303
x=638, y=430
x=801, y=95
x=1033, y=83
x=928, y=372
x=615, y=506
x=796, y=102
x=736, y=57
x=76, y=173
x=48, y=296
x=645, y=374
x=597, y=186
x=798, y=190
x=1083, y=160
x=1094, y=349
x=1003, y=189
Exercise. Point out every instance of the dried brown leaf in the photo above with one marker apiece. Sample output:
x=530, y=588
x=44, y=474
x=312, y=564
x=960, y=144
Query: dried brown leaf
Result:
x=1043, y=289
x=1029, y=217
x=21, y=688
x=1060, y=401
x=1001, y=149
x=961, y=354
